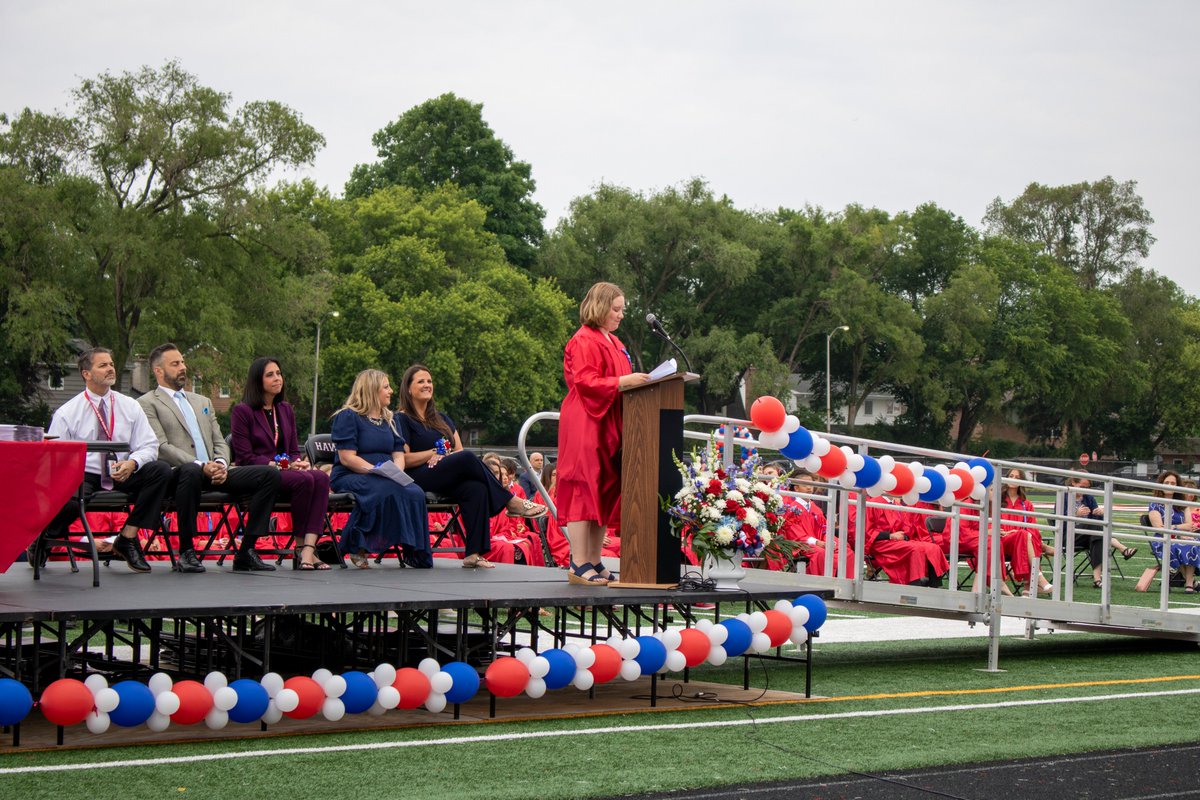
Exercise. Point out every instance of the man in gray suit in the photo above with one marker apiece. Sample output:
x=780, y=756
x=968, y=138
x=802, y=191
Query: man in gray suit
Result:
x=190, y=440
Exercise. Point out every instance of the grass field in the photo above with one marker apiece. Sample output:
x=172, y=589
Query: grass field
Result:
x=887, y=706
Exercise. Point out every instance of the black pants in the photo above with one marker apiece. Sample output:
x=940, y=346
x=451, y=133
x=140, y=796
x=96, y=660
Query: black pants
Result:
x=1093, y=543
x=465, y=479
x=147, y=489
x=255, y=486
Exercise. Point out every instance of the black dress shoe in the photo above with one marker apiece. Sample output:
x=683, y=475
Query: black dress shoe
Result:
x=37, y=553
x=188, y=562
x=247, y=560
x=129, y=550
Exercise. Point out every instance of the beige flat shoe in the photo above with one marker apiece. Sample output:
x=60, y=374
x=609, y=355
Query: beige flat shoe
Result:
x=477, y=562
x=360, y=560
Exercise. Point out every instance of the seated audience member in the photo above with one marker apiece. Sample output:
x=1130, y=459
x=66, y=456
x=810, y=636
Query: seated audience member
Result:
x=100, y=413
x=512, y=542
x=1090, y=517
x=537, y=462
x=190, y=439
x=906, y=561
x=264, y=433
x=805, y=524
x=1022, y=543
x=386, y=514
x=434, y=456
x=1185, y=553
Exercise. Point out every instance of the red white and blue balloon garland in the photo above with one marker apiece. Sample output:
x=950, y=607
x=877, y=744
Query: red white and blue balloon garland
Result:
x=912, y=482
x=161, y=701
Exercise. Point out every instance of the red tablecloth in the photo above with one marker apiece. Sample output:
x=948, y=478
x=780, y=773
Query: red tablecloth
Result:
x=37, y=478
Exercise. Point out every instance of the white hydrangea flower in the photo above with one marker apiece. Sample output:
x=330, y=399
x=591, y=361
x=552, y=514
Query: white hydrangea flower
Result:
x=735, y=496
x=685, y=493
x=752, y=518
x=708, y=512
x=724, y=535
x=757, y=503
x=762, y=487
x=743, y=484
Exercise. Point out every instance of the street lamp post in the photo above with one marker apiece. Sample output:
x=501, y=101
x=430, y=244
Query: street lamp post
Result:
x=317, y=370
x=828, y=391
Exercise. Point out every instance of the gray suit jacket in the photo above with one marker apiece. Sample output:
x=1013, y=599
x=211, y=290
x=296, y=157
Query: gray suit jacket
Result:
x=175, y=444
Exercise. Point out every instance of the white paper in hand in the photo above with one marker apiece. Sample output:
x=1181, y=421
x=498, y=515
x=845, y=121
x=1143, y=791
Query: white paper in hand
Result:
x=668, y=367
x=388, y=469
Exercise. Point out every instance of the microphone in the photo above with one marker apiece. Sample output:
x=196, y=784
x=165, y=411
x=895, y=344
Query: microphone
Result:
x=658, y=330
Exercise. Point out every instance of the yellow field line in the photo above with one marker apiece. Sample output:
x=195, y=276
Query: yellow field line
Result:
x=1000, y=689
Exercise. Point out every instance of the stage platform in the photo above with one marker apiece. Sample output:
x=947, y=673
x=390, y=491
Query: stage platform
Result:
x=291, y=622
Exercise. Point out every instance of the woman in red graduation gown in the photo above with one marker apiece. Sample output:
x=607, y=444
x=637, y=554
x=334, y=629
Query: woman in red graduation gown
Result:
x=905, y=560
x=596, y=366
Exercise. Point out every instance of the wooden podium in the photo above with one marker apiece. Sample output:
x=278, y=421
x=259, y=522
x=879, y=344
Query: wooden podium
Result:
x=652, y=415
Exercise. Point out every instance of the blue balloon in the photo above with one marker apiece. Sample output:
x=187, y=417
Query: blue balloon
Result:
x=136, y=704
x=252, y=701
x=937, y=486
x=870, y=474
x=360, y=692
x=739, y=638
x=979, y=461
x=562, y=668
x=817, y=611
x=652, y=656
x=465, y=681
x=799, y=445
x=15, y=701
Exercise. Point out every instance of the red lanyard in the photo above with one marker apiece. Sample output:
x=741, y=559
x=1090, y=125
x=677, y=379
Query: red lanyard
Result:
x=112, y=415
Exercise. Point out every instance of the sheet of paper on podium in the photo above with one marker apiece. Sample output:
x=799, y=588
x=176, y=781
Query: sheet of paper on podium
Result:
x=668, y=367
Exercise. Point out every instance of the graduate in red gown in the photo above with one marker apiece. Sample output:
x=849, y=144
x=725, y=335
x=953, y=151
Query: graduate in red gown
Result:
x=1022, y=543
x=596, y=366
x=904, y=559
x=805, y=523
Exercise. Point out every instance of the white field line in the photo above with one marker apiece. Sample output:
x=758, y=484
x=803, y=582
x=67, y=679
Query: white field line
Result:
x=509, y=737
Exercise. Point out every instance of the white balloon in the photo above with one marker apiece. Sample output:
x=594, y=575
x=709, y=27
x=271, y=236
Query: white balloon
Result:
x=961, y=465
x=583, y=680
x=539, y=667
x=287, y=700
x=775, y=440
x=107, y=699
x=757, y=622
x=703, y=625
x=584, y=659
x=670, y=639
x=158, y=722
x=717, y=656
x=676, y=661
x=811, y=464
x=377, y=710
x=781, y=605
x=978, y=491
x=272, y=714
x=848, y=452
x=791, y=424
x=821, y=446
x=385, y=675
x=535, y=688
x=978, y=473
x=720, y=633
x=855, y=462
x=216, y=718
x=953, y=483
x=333, y=709
x=98, y=721
x=322, y=675
x=214, y=681
x=846, y=479
x=874, y=491
x=444, y=682
x=947, y=499
x=922, y=485
x=887, y=463
x=614, y=642
x=630, y=649
x=335, y=686
x=799, y=615
x=525, y=655
x=631, y=670
x=761, y=643
x=572, y=648
x=744, y=617
x=435, y=703
x=95, y=682
x=388, y=698
x=799, y=635
x=918, y=469
x=943, y=469
x=224, y=698
x=887, y=483
x=912, y=498
x=167, y=703
x=272, y=682
x=160, y=682
x=430, y=666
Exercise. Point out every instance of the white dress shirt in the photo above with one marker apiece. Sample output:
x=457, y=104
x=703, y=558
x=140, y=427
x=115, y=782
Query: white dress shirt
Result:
x=75, y=420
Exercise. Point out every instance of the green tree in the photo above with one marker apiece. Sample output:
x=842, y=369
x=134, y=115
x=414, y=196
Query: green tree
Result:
x=1097, y=230
x=446, y=140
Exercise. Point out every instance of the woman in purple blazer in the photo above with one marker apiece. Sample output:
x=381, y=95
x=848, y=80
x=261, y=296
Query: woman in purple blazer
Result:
x=263, y=426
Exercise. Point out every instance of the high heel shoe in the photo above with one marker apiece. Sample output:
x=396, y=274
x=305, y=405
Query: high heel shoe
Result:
x=576, y=575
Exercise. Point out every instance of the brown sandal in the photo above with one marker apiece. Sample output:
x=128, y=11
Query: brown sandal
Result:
x=529, y=510
x=477, y=561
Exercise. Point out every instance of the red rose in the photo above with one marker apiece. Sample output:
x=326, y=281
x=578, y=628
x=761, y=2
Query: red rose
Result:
x=715, y=488
x=741, y=513
x=731, y=507
x=771, y=518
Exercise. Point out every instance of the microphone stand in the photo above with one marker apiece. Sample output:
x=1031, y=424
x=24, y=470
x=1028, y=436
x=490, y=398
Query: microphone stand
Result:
x=662, y=334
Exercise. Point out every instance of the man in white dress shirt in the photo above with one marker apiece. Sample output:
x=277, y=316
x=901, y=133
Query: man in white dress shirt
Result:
x=100, y=413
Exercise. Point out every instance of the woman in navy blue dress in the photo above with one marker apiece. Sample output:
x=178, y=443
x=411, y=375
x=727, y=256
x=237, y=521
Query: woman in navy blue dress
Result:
x=435, y=458
x=386, y=514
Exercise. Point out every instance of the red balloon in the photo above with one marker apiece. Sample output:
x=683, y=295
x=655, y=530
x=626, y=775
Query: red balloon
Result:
x=968, y=483
x=779, y=627
x=195, y=701
x=608, y=663
x=905, y=480
x=767, y=414
x=506, y=677
x=694, y=645
x=66, y=702
x=413, y=686
x=311, y=695
x=833, y=463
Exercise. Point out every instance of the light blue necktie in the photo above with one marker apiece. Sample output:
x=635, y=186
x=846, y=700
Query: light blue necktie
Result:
x=189, y=415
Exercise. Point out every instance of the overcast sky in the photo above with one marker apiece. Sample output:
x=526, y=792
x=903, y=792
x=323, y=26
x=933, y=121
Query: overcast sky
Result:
x=887, y=104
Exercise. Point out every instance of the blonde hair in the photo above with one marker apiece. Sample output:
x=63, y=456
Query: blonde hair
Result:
x=593, y=311
x=364, y=395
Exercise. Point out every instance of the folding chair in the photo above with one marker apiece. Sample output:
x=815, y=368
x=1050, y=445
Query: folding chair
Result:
x=319, y=449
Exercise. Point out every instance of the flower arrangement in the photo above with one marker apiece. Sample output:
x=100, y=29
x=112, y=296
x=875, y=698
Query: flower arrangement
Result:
x=728, y=513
